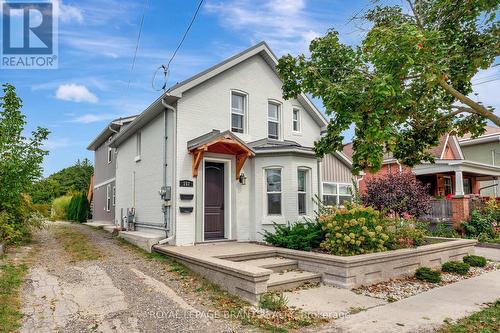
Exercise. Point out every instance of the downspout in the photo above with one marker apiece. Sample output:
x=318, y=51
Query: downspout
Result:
x=170, y=231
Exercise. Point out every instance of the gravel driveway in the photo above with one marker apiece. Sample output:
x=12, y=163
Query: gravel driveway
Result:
x=121, y=292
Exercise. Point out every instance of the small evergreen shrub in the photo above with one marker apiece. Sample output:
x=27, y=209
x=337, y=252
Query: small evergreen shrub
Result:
x=298, y=236
x=273, y=302
x=475, y=261
x=456, y=267
x=353, y=230
x=79, y=208
x=427, y=274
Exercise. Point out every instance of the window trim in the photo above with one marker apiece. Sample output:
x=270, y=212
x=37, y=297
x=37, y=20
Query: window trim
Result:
x=278, y=121
x=114, y=196
x=138, y=146
x=298, y=121
x=338, y=194
x=108, y=198
x=110, y=155
x=267, y=193
x=306, y=190
x=245, y=110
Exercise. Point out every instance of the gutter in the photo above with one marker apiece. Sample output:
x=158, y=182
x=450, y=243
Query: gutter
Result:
x=170, y=231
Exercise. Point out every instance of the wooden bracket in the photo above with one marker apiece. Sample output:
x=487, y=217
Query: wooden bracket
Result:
x=197, y=158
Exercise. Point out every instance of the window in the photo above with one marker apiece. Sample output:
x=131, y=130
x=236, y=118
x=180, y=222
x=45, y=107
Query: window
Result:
x=467, y=185
x=335, y=194
x=114, y=196
x=302, y=191
x=296, y=120
x=448, y=186
x=273, y=121
x=110, y=154
x=273, y=189
x=138, y=147
x=108, y=197
x=238, y=112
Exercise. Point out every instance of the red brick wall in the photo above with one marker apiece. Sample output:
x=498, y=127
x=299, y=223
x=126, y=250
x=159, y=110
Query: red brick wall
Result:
x=461, y=210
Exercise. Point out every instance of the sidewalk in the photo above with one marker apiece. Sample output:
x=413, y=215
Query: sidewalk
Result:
x=426, y=311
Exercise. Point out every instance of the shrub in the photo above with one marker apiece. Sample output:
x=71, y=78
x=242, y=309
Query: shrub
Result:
x=354, y=230
x=299, y=236
x=17, y=223
x=427, y=274
x=443, y=230
x=273, y=302
x=79, y=208
x=457, y=267
x=398, y=194
x=60, y=207
x=405, y=233
x=475, y=261
x=43, y=209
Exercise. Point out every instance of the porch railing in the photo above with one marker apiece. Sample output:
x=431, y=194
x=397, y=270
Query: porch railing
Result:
x=441, y=211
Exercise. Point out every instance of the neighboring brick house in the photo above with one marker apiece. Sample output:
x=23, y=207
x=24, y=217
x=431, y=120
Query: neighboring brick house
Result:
x=102, y=193
x=450, y=174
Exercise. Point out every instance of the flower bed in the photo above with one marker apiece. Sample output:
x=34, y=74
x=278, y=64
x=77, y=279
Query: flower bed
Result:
x=397, y=289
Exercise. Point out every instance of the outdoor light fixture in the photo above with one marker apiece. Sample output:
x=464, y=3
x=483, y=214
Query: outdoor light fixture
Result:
x=243, y=179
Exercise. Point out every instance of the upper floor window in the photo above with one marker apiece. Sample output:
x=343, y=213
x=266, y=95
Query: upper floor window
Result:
x=335, y=194
x=238, y=112
x=273, y=191
x=114, y=196
x=273, y=121
x=296, y=120
x=302, y=191
x=110, y=154
x=138, y=146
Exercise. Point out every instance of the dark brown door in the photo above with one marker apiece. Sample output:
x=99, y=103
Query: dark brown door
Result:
x=214, y=200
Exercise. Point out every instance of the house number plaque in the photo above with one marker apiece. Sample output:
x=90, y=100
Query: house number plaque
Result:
x=186, y=183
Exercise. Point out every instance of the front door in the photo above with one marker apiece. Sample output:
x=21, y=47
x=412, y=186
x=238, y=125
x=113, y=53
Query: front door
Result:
x=214, y=201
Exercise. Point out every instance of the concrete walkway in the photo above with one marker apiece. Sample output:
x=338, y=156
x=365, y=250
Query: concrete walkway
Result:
x=426, y=311
x=488, y=253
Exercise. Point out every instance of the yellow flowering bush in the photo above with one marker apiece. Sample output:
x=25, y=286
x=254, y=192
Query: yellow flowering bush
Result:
x=354, y=229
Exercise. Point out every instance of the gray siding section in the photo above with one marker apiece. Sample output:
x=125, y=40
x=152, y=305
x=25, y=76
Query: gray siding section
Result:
x=99, y=204
x=103, y=170
x=334, y=170
x=487, y=153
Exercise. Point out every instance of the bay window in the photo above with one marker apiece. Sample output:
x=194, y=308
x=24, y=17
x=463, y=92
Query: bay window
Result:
x=273, y=191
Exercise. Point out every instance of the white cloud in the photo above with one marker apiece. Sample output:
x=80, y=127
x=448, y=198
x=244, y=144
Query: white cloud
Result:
x=68, y=13
x=75, y=93
x=285, y=24
x=51, y=144
x=92, y=118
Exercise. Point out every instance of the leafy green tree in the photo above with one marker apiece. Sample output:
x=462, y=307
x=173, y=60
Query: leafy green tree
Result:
x=407, y=82
x=75, y=178
x=20, y=165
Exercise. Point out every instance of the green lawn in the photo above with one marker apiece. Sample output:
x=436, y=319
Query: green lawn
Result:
x=484, y=321
x=11, y=278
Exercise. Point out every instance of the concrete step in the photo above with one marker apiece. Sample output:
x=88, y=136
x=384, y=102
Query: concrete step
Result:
x=276, y=264
x=291, y=280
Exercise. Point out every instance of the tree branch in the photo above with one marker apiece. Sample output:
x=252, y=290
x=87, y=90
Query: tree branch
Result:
x=474, y=107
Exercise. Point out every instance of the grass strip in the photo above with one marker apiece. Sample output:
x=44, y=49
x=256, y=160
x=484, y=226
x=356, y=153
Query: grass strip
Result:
x=76, y=244
x=11, y=278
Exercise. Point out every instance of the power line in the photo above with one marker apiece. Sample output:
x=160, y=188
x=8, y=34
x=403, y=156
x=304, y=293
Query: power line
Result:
x=166, y=68
x=138, y=41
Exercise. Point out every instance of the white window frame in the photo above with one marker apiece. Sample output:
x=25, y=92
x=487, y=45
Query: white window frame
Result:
x=114, y=196
x=305, y=192
x=280, y=169
x=234, y=111
x=338, y=194
x=108, y=198
x=138, y=146
x=110, y=155
x=297, y=121
x=273, y=120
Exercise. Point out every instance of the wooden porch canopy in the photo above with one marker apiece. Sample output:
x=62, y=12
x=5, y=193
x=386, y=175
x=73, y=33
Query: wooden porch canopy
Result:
x=220, y=143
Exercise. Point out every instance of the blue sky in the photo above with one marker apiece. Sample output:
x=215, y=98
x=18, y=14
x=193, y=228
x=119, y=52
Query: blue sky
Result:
x=97, y=40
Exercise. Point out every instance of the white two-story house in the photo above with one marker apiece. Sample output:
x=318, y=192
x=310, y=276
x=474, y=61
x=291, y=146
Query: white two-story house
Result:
x=220, y=156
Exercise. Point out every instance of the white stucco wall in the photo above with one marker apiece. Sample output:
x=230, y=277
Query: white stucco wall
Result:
x=138, y=182
x=207, y=107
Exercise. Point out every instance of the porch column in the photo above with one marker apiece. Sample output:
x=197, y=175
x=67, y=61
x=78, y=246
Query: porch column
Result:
x=459, y=183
